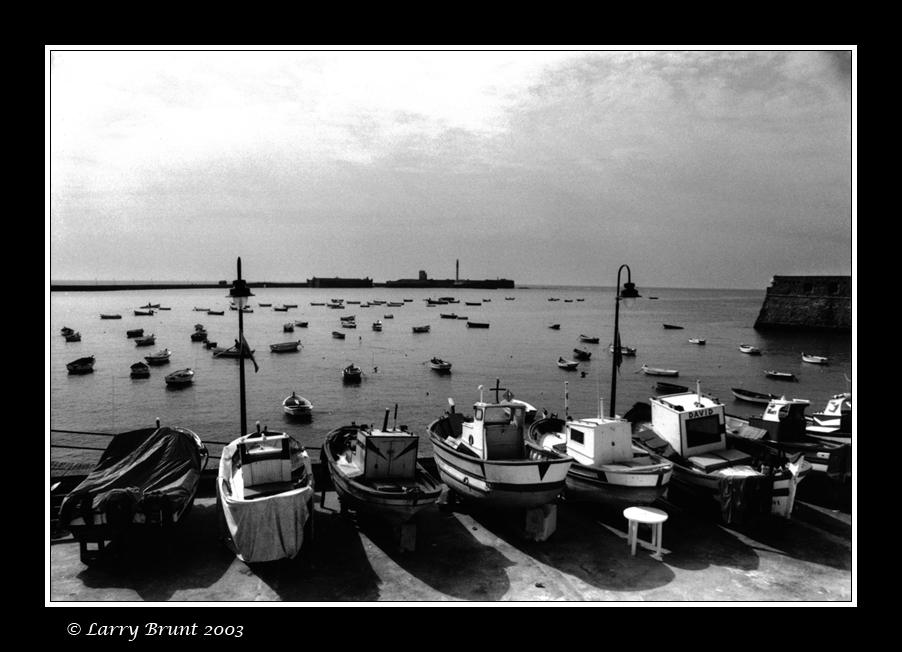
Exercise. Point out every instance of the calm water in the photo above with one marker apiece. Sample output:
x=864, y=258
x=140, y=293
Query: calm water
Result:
x=518, y=348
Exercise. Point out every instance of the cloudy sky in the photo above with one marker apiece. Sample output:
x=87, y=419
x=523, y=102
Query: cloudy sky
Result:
x=709, y=168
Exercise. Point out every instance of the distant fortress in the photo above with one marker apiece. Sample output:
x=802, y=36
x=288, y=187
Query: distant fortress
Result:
x=316, y=282
x=807, y=303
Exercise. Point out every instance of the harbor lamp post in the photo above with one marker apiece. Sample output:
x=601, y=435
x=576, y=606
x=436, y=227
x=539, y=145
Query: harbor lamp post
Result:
x=628, y=295
x=239, y=294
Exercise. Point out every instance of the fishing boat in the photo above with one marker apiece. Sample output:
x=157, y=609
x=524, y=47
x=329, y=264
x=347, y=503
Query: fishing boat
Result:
x=73, y=337
x=486, y=457
x=265, y=494
x=264, y=305
x=588, y=340
x=477, y=324
x=196, y=309
x=834, y=422
x=448, y=315
x=376, y=472
x=140, y=370
x=472, y=303
x=697, y=340
x=569, y=365
x=388, y=316
x=814, y=359
x=199, y=336
x=81, y=366
x=232, y=352
x=146, y=340
x=180, y=377
x=290, y=305
x=670, y=388
x=673, y=327
x=65, y=330
x=160, y=357
x=209, y=344
x=554, y=327
x=377, y=325
x=143, y=313
x=280, y=309
x=781, y=375
x=284, y=347
x=440, y=365
x=338, y=335
x=216, y=313
x=689, y=430
x=749, y=349
x=421, y=329
x=151, y=305
x=349, y=324
x=657, y=371
x=627, y=351
x=300, y=324
x=297, y=406
x=582, y=354
x=111, y=316
x=608, y=468
x=752, y=397
x=135, y=332
x=782, y=428
x=288, y=328
x=352, y=373
x=145, y=479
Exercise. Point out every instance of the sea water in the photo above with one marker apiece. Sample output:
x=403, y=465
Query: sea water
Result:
x=518, y=352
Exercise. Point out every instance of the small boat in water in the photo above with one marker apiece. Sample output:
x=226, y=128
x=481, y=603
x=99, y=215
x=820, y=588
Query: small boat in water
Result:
x=297, y=406
x=288, y=328
x=554, y=327
x=752, y=397
x=627, y=351
x=65, y=330
x=657, y=371
x=284, y=347
x=216, y=313
x=440, y=365
x=352, y=373
x=749, y=349
x=265, y=494
x=689, y=430
x=421, y=329
x=697, y=340
x=588, y=340
x=144, y=313
x=781, y=375
x=376, y=472
x=377, y=325
x=488, y=458
x=231, y=352
x=673, y=327
x=145, y=479
x=582, y=354
x=477, y=324
x=146, y=340
x=670, y=388
x=160, y=357
x=834, y=422
x=569, y=365
x=73, y=337
x=111, y=316
x=181, y=377
x=81, y=366
x=140, y=370
x=814, y=359
x=136, y=332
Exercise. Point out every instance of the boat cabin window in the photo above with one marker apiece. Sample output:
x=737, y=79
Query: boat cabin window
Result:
x=704, y=430
x=497, y=415
x=577, y=436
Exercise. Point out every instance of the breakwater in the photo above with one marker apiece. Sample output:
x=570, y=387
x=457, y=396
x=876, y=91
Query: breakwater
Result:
x=807, y=303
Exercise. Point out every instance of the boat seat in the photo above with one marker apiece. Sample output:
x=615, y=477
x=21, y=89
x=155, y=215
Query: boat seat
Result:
x=264, y=461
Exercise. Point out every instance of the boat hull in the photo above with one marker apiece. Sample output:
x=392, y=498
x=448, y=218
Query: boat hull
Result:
x=619, y=489
x=507, y=484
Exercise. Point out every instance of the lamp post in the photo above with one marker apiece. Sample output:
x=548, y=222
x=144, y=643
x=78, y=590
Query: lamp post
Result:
x=239, y=294
x=628, y=295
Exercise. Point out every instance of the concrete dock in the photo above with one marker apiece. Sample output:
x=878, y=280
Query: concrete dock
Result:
x=466, y=555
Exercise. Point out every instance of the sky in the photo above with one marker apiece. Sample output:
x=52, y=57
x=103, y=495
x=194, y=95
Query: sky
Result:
x=704, y=168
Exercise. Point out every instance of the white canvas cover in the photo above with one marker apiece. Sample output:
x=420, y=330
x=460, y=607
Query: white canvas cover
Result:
x=265, y=528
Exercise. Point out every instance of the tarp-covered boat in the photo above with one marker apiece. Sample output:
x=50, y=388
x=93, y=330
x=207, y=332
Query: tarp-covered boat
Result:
x=145, y=478
x=264, y=494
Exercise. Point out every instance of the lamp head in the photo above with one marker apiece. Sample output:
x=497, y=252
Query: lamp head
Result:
x=239, y=294
x=629, y=294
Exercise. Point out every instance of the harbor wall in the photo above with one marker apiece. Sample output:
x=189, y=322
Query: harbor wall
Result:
x=807, y=303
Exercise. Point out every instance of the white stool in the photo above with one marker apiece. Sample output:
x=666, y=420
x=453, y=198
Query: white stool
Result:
x=650, y=516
